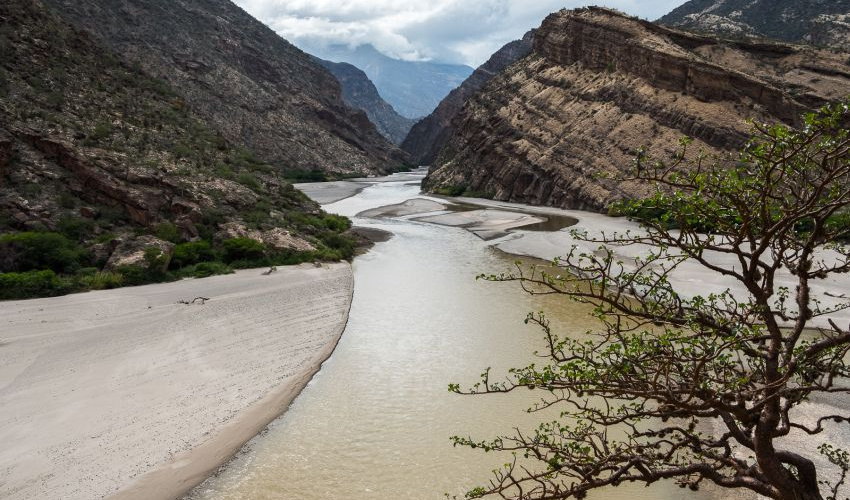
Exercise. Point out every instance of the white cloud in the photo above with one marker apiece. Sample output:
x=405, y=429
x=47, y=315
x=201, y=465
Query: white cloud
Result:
x=460, y=31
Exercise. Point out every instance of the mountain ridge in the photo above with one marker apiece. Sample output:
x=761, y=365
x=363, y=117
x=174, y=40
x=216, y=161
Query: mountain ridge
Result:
x=413, y=88
x=253, y=87
x=824, y=23
x=107, y=178
x=359, y=92
x=598, y=85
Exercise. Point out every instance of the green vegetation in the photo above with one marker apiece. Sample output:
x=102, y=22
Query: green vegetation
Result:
x=135, y=137
x=32, y=284
x=460, y=190
x=167, y=231
x=297, y=175
x=21, y=252
x=43, y=263
x=637, y=392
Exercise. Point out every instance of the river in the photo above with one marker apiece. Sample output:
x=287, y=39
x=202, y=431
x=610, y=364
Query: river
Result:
x=375, y=423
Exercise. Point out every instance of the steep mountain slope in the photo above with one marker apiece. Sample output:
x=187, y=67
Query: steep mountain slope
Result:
x=428, y=136
x=413, y=88
x=823, y=23
x=100, y=162
x=599, y=84
x=252, y=86
x=360, y=93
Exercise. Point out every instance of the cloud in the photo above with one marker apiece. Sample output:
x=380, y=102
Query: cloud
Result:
x=456, y=31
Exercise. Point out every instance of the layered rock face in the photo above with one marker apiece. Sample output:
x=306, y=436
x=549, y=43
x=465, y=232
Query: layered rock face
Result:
x=360, y=93
x=824, y=23
x=553, y=128
x=99, y=150
x=250, y=85
x=428, y=136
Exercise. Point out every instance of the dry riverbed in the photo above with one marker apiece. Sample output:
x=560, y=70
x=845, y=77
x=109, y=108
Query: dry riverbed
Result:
x=130, y=393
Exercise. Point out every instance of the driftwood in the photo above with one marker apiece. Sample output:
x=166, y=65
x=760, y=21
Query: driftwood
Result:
x=202, y=300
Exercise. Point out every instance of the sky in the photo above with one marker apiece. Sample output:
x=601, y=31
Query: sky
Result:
x=451, y=31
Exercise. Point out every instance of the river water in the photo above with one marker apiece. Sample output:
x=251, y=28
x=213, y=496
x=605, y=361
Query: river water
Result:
x=375, y=423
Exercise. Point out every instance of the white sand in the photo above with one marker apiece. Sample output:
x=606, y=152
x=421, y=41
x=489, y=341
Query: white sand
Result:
x=487, y=224
x=330, y=192
x=410, y=207
x=128, y=393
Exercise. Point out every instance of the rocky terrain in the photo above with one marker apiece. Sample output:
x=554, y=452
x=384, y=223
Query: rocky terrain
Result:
x=825, y=23
x=598, y=85
x=254, y=88
x=428, y=136
x=103, y=166
x=413, y=88
x=360, y=93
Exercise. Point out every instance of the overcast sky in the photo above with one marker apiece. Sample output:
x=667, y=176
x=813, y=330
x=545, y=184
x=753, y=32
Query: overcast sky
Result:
x=456, y=31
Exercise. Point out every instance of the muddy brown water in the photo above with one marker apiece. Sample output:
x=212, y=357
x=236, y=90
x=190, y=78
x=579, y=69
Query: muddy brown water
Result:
x=375, y=423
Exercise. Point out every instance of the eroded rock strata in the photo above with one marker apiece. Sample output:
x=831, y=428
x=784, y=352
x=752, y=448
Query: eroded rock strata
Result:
x=598, y=85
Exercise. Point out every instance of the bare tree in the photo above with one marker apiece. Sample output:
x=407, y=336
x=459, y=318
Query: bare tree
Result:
x=663, y=367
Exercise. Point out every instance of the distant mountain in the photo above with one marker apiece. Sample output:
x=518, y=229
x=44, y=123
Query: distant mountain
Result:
x=558, y=126
x=256, y=89
x=360, y=93
x=428, y=136
x=413, y=88
x=824, y=23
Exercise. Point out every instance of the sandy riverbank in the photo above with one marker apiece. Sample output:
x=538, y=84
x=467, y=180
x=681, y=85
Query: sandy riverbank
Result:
x=129, y=394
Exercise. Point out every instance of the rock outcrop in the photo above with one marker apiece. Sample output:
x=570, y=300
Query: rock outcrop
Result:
x=428, y=136
x=824, y=23
x=254, y=88
x=360, y=93
x=599, y=84
x=141, y=251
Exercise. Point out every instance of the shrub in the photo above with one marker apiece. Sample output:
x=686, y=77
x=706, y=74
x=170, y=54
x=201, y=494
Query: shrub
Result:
x=31, y=284
x=336, y=223
x=243, y=249
x=343, y=245
x=135, y=275
x=186, y=254
x=75, y=228
x=249, y=181
x=167, y=231
x=101, y=131
x=27, y=251
x=101, y=280
x=205, y=269
x=451, y=190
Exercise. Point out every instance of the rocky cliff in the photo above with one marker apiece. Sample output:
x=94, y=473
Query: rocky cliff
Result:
x=103, y=154
x=598, y=85
x=824, y=23
x=428, y=136
x=250, y=85
x=360, y=93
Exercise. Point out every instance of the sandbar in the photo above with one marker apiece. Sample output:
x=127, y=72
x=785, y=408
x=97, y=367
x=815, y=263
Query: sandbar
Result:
x=129, y=393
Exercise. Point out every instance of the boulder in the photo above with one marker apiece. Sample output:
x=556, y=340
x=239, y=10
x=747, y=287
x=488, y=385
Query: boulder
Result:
x=281, y=239
x=132, y=251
